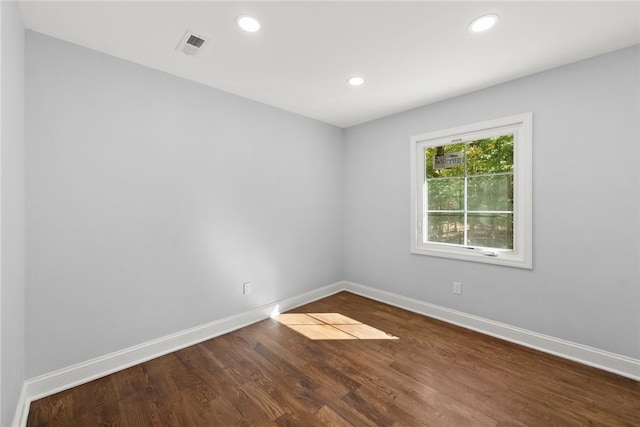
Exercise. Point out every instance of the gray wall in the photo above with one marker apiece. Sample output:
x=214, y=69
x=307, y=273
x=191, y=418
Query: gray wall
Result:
x=585, y=284
x=151, y=199
x=12, y=211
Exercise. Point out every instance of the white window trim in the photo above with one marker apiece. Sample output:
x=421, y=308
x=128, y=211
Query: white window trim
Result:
x=522, y=254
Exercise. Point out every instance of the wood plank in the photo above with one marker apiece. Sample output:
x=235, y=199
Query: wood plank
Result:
x=298, y=319
x=365, y=332
x=334, y=318
x=322, y=332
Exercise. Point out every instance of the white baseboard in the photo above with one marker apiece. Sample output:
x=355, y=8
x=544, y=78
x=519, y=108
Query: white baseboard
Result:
x=63, y=379
x=600, y=359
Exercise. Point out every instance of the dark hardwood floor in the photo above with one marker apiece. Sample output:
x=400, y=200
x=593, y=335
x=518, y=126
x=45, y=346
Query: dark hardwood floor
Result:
x=267, y=374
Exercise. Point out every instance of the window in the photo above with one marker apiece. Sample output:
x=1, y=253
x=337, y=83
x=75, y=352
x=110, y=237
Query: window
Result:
x=471, y=192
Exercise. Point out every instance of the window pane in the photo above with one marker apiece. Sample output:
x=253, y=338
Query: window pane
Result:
x=432, y=152
x=490, y=230
x=490, y=193
x=490, y=155
x=446, y=194
x=446, y=227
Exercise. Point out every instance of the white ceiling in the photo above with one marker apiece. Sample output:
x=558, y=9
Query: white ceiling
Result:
x=410, y=53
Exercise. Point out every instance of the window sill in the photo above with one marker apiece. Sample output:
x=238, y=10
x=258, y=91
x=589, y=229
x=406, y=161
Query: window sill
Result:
x=486, y=256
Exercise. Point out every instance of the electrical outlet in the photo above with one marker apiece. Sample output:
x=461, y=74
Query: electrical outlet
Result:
x=246, y=288
x=457, y=288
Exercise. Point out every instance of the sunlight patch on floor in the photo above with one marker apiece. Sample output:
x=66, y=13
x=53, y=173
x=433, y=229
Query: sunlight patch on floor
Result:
x=331, y=326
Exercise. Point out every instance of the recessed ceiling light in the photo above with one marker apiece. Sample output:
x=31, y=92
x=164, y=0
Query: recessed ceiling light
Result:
x=355, y=81
x=483, y=23
x=248, y=23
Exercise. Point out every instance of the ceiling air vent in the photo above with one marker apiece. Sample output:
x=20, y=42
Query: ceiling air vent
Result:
x=191, y=43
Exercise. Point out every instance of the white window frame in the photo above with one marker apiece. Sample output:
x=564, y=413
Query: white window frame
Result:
x=522, y=253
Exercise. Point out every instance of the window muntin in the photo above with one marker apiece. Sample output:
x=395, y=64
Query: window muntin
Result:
x=471, y=192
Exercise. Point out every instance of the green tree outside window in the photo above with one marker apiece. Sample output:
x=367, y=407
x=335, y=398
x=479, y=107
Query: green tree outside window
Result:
x=471, y=204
